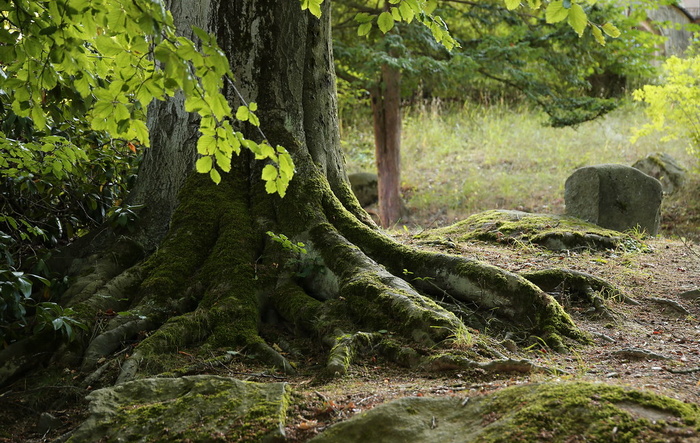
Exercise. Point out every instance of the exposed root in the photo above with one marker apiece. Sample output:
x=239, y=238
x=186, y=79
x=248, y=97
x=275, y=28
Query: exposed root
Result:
x=492, y=291
x=565, y=283
x=344, y=349
x=112, y=340
x=454, y=362
x=376, y=299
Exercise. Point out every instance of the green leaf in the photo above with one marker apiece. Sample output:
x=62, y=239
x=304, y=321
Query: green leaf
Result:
x=611, y=30
x=204, y=164
x=202, y=34
x=121, y=112
x=271, y=187
x=578, y=19
x=25, y=287
x=269, y=173
x=57, y=323
x=363, y=17
x=215, y=176
x=314, y=6
x=206, y=145
x=108, y=46
x=282, y=186
x=512, y=4
x=556, y=12
x=364, y=29
x=406, y=12
x=39, y=117
x=267, y=151
x=243, y=113
x=223, y=161
x=598, y=34
x=139, y=131
x=385, y=22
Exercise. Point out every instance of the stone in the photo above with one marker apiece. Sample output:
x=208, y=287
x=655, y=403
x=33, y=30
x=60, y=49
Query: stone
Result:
x=665, y=169
x=191, y=408
x=364, y=186
x=615, y=197
x=47, y=422
x=692, y=295
x=554, y=411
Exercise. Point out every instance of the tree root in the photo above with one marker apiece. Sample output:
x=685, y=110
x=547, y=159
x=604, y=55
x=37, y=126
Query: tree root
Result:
x=493, y=291
x=376, y=299
x=455, y=362
x=111, y=340
x=563, y=283
x=344, y=349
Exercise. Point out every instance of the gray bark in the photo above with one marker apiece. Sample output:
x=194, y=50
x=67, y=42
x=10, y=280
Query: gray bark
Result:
x=174, y=137
x=282, y=59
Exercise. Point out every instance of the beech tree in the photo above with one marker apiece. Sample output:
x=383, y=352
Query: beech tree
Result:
x=225, y=245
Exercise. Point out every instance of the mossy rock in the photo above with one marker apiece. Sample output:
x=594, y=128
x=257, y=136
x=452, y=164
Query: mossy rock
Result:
x=193, y=408
x=556, y=412
x=555, y=232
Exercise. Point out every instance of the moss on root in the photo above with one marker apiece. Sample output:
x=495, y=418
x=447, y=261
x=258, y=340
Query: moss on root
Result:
x=590, y=412
x=550, y=231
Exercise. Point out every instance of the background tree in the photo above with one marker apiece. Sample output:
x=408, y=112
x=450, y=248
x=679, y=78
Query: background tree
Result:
x=567, y=74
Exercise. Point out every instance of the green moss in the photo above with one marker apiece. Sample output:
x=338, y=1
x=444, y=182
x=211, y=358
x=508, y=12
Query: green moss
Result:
x=591, y=412
x=550, y=231
x=193, y=232
x=296, y=306
x=233, y=412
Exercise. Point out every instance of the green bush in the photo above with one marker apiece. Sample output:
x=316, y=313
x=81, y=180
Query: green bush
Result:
x=674, y=104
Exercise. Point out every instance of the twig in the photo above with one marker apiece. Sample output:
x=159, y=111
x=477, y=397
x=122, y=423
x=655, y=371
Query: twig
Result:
x=683, y=371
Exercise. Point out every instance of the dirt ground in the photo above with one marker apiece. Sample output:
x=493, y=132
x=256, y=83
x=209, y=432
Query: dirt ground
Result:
x=653, y=345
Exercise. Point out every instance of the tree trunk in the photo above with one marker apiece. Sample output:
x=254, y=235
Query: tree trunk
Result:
x=386, y=112
x=217, y=277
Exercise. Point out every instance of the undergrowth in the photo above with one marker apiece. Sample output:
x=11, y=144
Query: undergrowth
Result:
x=457, y=161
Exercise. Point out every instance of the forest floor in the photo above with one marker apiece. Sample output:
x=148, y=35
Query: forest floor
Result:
x=654, y=345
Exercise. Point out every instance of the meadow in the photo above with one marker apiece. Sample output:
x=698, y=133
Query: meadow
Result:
x=460, y=160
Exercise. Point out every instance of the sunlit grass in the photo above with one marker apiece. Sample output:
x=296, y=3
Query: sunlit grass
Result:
x=459, y=161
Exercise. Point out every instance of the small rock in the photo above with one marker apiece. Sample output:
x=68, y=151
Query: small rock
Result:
x=665, y=169
x=195, y=408
x=615, y=197
x=510, y=345
x=47, y=422
x=692, y=295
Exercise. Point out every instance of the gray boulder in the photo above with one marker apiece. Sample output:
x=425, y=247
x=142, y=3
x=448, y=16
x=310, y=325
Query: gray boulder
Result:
x=615, y=197
x=364, y=186
x=665, y=169
x=193, y=408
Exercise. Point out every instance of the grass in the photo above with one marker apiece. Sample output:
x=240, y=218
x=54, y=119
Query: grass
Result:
x=464, y=160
